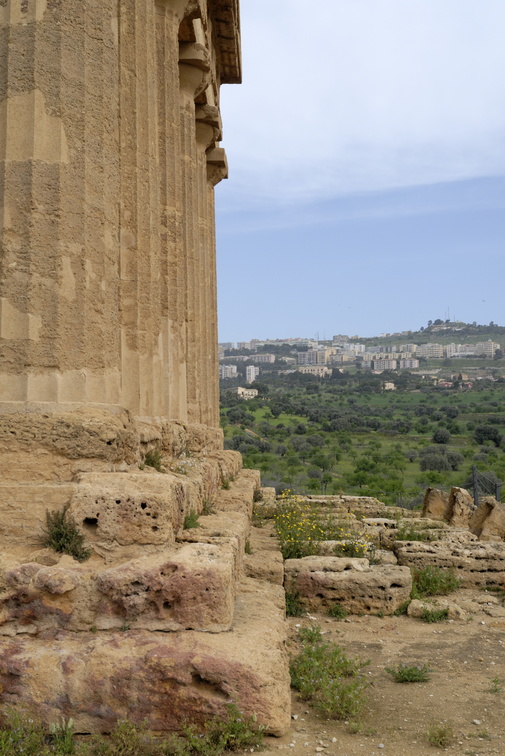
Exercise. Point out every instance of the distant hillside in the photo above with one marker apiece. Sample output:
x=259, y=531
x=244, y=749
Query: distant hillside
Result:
x=441, y=332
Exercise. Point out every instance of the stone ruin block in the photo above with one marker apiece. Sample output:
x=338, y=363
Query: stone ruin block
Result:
x=436, y=504
x=161, y=678
x=488, y=520
x=239, y=496
x=118, y=509
x=359, y=587
x=230, y=528
x=193, y=587
x=476, y=563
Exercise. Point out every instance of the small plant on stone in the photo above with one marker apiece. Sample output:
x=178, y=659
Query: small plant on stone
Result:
x=434, y=615
x=294, y=605
x=191, y=521
x=327, y=677
x=433, y=581
x=247, y=548
x=410, y=533
x=257, y=495
x=440, y=734
x=337, y=611
x=153, y=458
x=407, y=673
x=62, y=535
x=225, y=483
x=208, y=507
x=402, y=609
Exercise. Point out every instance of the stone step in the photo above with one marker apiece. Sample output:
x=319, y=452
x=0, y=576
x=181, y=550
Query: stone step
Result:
x=191, y=586
x=162, y=678
x=354, y=583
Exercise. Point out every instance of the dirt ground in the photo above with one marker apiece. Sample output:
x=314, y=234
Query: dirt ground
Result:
x=466, y=690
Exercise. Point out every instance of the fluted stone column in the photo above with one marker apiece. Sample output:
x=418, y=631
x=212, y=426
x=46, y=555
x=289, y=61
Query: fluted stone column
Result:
x=109, y=132
x=59, y=176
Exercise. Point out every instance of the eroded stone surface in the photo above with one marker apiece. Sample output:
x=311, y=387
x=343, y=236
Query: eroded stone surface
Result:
x=158, y=677
x=355, y=584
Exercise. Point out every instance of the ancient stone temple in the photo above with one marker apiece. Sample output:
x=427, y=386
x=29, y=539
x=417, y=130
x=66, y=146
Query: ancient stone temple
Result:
x=110, y=151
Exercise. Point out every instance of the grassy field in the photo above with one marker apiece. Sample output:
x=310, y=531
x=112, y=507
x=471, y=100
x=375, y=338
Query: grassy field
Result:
x=350, y=436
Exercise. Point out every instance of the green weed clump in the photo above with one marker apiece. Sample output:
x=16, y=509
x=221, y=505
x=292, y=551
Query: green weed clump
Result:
x=405, y=673
x=434, y=615
x=440, y=735
x=231, y=732
x=402, y=609
x=325, y=676
x=294, y=605
x=433, y=581
x=191, y=521
x=153, y=458
x=62, y=534
x=410, y=533
x=337, y=611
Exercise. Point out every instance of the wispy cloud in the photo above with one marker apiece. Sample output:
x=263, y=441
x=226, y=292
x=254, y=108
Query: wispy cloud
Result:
x=347, y=96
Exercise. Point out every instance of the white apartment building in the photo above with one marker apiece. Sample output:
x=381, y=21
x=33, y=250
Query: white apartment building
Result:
x=227, y=371
x=385, y=364
x=245, y=393
x=251, y=373
x=320, y=370
x=262, y=358
x=430, y=351
x=409, y=364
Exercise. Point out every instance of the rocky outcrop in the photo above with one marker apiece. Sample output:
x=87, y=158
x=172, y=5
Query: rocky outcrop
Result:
x=359, y=587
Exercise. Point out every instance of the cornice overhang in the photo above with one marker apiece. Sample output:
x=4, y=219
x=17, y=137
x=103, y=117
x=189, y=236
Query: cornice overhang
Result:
x=225, y=16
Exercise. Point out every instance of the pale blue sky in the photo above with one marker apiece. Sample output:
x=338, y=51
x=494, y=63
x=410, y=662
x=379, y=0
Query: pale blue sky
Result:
x=367, y=168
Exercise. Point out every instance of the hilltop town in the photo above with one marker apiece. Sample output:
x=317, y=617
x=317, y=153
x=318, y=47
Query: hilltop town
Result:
x=429, y=351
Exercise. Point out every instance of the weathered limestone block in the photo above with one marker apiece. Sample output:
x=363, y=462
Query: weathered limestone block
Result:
x=268, y=495
x=163, y=678
x=488, y=520
x=264, y=562
x=239, y=496
x=351, y=582
x=86, y=433
x=460, y=507
x=230, y=462
x=417, y=609
x=221, y=528
x=194, y=588
x=436, y=504
x=474, y=562
x=118, y=509
x=20, y=531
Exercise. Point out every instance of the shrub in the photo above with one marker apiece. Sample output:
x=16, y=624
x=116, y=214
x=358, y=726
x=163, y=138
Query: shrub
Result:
x=402, y=609
x=409, y=533
x=324, y=675
x=257, y=495
x=440, y=735
x=433, y=581
x=404, y=673
x=434, y=615
x=300, y=529
x=337, y=611
x=62, y=535
x=191, y=520
x=294, y=605
x=153, y=458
